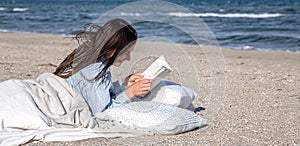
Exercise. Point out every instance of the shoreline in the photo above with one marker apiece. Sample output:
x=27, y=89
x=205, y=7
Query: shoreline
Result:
x=260, y=105
x=65, y=35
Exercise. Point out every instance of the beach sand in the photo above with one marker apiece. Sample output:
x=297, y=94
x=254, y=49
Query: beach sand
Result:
x=254, y=95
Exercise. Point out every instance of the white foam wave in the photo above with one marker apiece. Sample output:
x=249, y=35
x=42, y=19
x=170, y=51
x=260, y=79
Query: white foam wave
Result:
x=3, y=30
x=229, y=15
x=130, y=14
x=247, y=48
x=2, y=9
x=20, y=9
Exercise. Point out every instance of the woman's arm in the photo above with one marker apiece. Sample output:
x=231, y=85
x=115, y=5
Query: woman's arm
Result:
x=132, y=85
x=122, y=84
x=139, y=88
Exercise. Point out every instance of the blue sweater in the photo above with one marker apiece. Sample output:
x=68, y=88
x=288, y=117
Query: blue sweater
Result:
x=99, y=95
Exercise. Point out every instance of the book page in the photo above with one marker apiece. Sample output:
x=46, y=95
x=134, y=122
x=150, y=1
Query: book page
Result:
x=158, y=70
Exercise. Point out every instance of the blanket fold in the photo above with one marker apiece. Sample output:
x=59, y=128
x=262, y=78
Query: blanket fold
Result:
x=59, y=101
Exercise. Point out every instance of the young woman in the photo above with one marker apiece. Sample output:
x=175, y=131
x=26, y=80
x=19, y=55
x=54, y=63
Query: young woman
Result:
x=87, y=67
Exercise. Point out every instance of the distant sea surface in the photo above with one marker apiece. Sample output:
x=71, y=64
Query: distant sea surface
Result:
x=238, y=24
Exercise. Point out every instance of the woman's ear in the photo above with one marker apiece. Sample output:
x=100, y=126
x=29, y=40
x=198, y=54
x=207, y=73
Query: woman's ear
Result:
x=109, y=54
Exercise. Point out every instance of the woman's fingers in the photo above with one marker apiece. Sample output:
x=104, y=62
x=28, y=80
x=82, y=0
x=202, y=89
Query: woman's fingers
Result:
x=145, y=89
x=145, y=84
x=135, y=77
x=140, y=87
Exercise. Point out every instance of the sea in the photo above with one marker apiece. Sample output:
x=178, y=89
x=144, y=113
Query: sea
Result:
x=237, y=24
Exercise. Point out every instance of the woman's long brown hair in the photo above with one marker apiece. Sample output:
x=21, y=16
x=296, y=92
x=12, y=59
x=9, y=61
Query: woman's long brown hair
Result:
x=115, y=35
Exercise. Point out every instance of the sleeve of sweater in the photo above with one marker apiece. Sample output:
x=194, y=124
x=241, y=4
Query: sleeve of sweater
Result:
x=121, y=97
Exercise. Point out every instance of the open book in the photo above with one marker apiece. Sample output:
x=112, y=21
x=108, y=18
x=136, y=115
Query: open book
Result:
x=158, y=70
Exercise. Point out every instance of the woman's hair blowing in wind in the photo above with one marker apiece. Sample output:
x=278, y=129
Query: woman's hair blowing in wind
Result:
x=115, y=35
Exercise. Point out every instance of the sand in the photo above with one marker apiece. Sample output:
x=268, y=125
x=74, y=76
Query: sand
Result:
x=260, y=103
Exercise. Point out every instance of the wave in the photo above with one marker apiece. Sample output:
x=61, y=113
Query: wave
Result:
x=2, y=9
x=20, y=9
x=229, y=15
x=255, y=48
x=3, y=30
x=130, y=14
x=247, y=47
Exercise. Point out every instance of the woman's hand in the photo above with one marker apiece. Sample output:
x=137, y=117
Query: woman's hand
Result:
x=138, y=88
x=131, y=79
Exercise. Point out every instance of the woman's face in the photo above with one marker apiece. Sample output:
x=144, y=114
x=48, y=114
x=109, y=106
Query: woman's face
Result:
x=124, y=55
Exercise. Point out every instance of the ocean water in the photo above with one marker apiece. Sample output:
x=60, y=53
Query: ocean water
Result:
x=238, y=24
